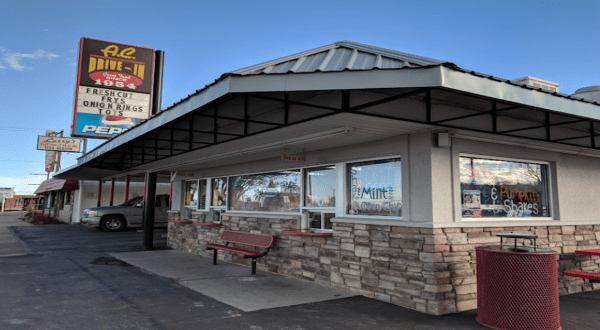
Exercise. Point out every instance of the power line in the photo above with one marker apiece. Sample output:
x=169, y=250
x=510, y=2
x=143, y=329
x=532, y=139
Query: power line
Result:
x=36, y=129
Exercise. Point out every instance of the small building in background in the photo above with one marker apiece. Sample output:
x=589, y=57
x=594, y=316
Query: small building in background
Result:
x=65, y=200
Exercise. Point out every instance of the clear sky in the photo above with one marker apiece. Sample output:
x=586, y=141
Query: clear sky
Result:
x=556, y=41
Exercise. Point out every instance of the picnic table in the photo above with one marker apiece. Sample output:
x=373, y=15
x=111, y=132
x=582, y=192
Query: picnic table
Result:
x=593, y=277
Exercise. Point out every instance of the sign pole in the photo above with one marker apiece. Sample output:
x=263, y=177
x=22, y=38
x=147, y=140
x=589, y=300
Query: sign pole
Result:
x=57, y=167
x=159, y=61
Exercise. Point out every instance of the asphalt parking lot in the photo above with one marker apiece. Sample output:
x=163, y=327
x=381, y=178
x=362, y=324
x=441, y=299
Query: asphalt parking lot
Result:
x=69, y=280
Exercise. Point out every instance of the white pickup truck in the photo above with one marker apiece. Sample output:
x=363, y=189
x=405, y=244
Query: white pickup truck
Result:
x=127, y=214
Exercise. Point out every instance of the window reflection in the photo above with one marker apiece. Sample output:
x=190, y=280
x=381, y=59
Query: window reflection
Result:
x=219, y=192
x=497, y=188
x=320, y=187
x=376, y=188
x=191, y=193
x=277, y=191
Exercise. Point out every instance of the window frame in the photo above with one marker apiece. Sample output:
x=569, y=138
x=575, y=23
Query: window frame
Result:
x=549, y=187
x=317, y=209
x=304, y=173
x=348, y=186
x=185, y=183
x=209, y=194
x=268, y=212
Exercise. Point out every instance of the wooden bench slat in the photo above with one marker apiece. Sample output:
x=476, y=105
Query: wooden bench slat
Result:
x=246, y=252
x=588, y=275
x=257, y=240
x=263, y=241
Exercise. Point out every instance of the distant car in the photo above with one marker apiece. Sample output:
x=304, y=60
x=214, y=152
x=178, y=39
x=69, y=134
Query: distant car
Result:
x=128, y=214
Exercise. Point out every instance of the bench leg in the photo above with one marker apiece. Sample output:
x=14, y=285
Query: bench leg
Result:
x=253, y=266
x=214, y=256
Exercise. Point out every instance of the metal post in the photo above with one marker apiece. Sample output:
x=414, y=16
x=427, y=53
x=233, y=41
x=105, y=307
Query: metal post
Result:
x=112, y=191
x=170, y=195
x=149, y=210
x=159, y=58
x=58, y=157
x=127, y=178
x=144, y=199
x=3, y=202
x=99, y=192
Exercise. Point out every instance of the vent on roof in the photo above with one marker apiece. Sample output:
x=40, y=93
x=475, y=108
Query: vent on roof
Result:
x=537, y=82
x=591, y=93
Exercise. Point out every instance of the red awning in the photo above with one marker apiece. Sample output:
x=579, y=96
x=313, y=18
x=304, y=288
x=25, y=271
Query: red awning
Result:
x=56, y=184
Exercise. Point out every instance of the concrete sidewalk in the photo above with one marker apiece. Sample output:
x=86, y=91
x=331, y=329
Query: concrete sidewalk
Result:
x=10, y=245
x=228, y=283
x=233, y=285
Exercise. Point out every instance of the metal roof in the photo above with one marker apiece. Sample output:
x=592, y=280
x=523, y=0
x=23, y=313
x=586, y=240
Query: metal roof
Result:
x=339, y=56
x=223, y=112
x=56, y=184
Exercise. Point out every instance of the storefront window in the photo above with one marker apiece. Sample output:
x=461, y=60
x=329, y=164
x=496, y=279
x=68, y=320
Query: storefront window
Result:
x=499, y=188
x=276, y=191
x=319, y=187
x=376, y=188
x=219, y=192
x=320, y=221
x=191, y=193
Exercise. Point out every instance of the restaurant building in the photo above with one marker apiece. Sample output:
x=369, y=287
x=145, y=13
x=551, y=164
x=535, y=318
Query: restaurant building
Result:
x=378, y=172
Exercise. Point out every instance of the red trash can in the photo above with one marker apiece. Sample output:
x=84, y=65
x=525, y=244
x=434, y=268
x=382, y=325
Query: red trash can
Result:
x=517, y=287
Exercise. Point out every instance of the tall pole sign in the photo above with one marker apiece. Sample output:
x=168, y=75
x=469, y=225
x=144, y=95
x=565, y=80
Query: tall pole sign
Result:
x=50, y=155
x=114, y=87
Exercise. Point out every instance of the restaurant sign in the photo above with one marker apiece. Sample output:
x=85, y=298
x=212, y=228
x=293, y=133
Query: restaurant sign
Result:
x=50, y=154
x=114, y=85
x=57, y=143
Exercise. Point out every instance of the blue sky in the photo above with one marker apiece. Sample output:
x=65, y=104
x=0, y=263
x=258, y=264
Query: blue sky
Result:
x=556, y=41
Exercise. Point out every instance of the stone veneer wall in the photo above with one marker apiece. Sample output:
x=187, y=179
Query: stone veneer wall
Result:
x=429, y=270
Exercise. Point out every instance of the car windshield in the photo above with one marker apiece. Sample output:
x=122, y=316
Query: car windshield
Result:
x=132, y=201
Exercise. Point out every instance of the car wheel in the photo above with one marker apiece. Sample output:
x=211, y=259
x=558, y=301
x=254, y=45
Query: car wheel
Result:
x=113, y=223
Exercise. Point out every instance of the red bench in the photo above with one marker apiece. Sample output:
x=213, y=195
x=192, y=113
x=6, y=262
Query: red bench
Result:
x=593, y=277
x=256, y=240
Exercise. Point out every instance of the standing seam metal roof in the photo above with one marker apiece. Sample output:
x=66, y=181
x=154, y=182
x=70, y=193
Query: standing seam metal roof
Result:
x=339, y=56
x=352, y=56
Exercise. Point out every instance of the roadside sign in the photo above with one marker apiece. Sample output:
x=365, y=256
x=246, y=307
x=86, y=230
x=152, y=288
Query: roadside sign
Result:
x=57, y=143
x=7, y=192
x=114, y=86
x=50, y=154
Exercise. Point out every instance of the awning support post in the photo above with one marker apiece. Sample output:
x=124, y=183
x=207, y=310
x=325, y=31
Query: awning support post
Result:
x=99, y=193
x=127, y=178
x=149, y=210
x=112, y=191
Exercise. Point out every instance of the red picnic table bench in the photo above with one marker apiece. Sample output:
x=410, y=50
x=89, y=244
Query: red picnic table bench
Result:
x=256, y=240
x=593, y=277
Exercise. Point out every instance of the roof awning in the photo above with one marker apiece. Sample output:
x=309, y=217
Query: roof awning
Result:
x=55, y=184
x=367, y=92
